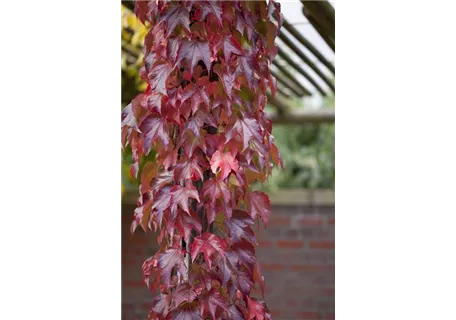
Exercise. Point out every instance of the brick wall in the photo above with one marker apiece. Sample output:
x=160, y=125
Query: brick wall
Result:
x=296, y=253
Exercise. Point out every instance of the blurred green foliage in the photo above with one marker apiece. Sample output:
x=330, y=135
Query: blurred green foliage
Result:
x=308, y=156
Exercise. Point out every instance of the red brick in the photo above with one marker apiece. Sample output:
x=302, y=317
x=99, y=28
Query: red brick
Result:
x=310, y=221
x=285, y=244
x=307, y=315
x=127, y=306
x=135, y=284
x=331, y=221
x=264, y=244
x=322, y=244
x=305, y=267
x=271, y=266
x=146, y=306
x=330, y=292
x=279, y=221
x=276, y=313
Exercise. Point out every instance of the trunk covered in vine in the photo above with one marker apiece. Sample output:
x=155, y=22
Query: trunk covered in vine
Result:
x=207, y=68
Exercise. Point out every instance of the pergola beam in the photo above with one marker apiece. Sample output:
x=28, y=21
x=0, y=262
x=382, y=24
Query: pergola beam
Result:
x=306, y=43
x=302, y=116
x=321, y=15
x=285, y=39
x=297, y=67
x=287, y=74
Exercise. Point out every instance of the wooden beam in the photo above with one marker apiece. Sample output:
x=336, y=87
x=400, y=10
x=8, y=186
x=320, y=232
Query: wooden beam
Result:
x=288, y=84
x=287, y=74
x=321, y=15
x=306, y=59
x=297, y=67
x=302, y=116
x=306, y=43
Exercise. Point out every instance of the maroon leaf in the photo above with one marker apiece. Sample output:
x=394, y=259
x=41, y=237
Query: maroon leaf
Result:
x=239, y=227
x=172, y=49
x=257, y=310
x=146, y=10
x=246, y=128
x=177, y=15
x=180, y=196
x=185, y=223
x=160, y=305
x=189, y=169
x=258, y=278
x=183, y=293
x=172, y=259
x=215, y=189
x=154, y=128
x=197, y=121
x=230, y=46
x=164, y=177
x=154, y=102
x=158, y=77
x=213, y=301
x=258, y=204
x=225, y=161
x=209, y=245
x=186, y=312
x=245, y=67
x=194, y=51
x=244, y=252
x=212, y=7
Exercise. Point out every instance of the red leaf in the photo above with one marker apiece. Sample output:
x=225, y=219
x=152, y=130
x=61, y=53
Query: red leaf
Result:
x=149, y=171
x=236, y=313
x=258, y=278
x=239, y=227
x=209, y=245
x=154, y=128
x=185, y=223
x=231, y=45
x=258, y=204
x=212, y=7
x=257, y=309
x=183, y=293
x=172, y=49
x=194, y=51
x=246, y=128
x=189, y=169
x=180, y=196
x=154, y=102
x=172, y=258
x=197, y=121
x=186, y=312
x=149, y=267
x=177, y=15
x=214, y=189
x=244, y=252
x=228, y=81
x=276, y=155
x=158, y=76
x=160, y=305
x=245, y=67
x=190, y=142
x=226, y=162
x=145, y=10
x=213, y=301
x=164, y=177
x=162, y=201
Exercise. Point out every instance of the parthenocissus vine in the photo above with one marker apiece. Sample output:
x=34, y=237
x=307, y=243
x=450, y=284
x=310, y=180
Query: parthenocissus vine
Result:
x=207, y=69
